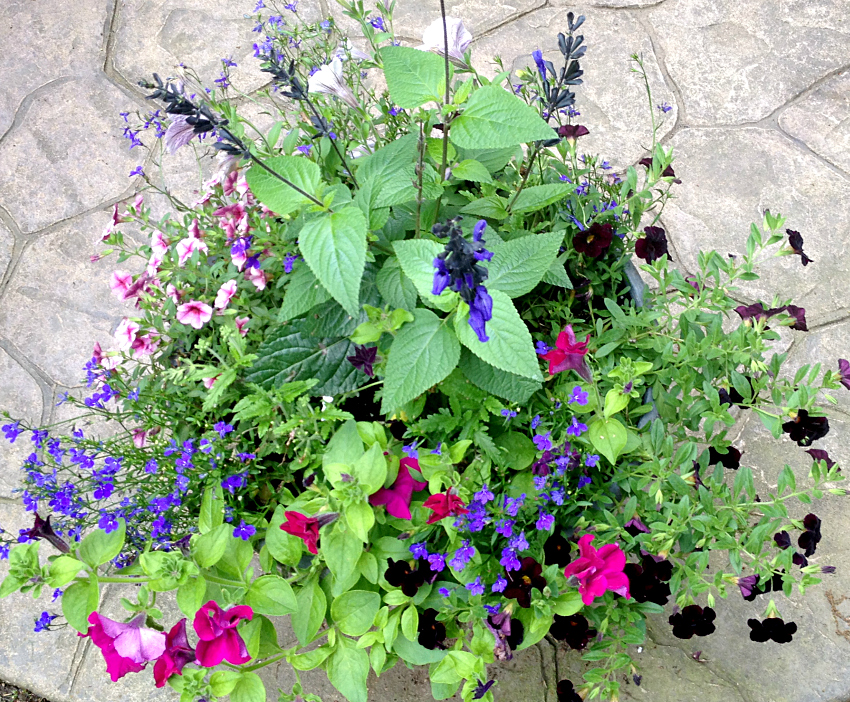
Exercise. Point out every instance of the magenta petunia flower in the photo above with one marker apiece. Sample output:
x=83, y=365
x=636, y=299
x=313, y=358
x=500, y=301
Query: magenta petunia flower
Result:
x=126, y=334
x=444, y=504
x=304, y=527
x=176, y=655
x=126, y=647
x=844, y=372
x=242, y=324
x=569, y=354
x=194, y=313
x=219, y=640
x=225, y=294
x=119, y=283
x=598, y=571
x=186, y=247
x=397, y=498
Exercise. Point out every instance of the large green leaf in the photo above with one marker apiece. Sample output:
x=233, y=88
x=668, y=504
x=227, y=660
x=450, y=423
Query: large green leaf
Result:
x=334, y=246
x=288, y=355
x=538, y=196
x=494, y=160
x=495, y=118
x=395, y=287
x=272, y=595
x=354, y=611
x=284, y=548
x=492, y=206
x=423, y=353
x=413, y=77
x=498, y=382
x=277, y=195
x=348, y=669
x=78, y=602
x=609, y=437
x=416, y=257
x=249, y=688
x=390, y=172
x=518, y=265
x=341, y=550
x=510, y=347
x=312, y=607
x=557, y=274
x=99, y=547
x=303, y=293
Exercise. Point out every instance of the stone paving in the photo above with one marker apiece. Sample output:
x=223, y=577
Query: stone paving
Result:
x=760, y=93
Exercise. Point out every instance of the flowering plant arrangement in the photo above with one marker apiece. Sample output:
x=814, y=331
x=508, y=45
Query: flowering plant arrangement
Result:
x=329, y=401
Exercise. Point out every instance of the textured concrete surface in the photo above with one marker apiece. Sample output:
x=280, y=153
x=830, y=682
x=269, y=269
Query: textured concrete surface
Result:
x=760, y=97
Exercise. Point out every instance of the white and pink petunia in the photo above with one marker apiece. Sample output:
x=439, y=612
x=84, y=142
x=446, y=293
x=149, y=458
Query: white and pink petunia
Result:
x=194, y=313
x=225, y=294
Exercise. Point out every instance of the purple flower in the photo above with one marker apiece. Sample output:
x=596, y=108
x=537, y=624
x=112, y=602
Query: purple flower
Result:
x=364, y=359
x=481, y=312
x=578, y=396
x=499, y=585
x=583, y=480
x=545, y=522
x=304, y=149
x=43, y=622
x=519, y=542
x=494, y=609
x=747, y=584
x=137, y=171
x=245, y=457
x=510, y=414
x=462, y=556
x=410, y=450
x=665, y=107
x=444, y=591
x=151, y=466
x=108, y=522
x=244, y=531
x=476, y=587
x=535, y=422
x=541, y=348
x=543, y=442
x=396, y=111
x=843, y=371
x=576, y=428
x=437, y=561
x=234, y=482
x=57, y=593
x=591, y=461
x=378, y=23
x=512, y=505
x=12, y=431
x=484, y=495
x=509, y=559
x=538, y=59
x=505, y=527
x=419, y=550
x=222, y=428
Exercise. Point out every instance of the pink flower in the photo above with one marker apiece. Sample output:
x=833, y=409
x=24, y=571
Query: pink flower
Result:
x=569, y=355
x=195, y=229
x=119, y=283
x=140, y=438
x=598, y=571
x=186, y=247
x=153, y=264
x=194, y=313
x=219, y=640
x=225, y=294
x=241, y=324
x=116, y=220
x=126, y=333
x=144, y=345
x=172, y=292
x=233, y=219
x=444, y=504
x=97, y=353
x=125, y=647
x=304, y=527
x=397, y=498
x=209, y=382
x=228, y=185
x=159, y=244
x=176, y=655
x=257, y=277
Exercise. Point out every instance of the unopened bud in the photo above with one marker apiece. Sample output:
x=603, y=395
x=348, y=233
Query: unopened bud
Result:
x=326, y=518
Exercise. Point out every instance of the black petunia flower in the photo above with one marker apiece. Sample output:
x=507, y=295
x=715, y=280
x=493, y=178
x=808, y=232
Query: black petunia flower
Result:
x=431, y=632
x=795, y=241
x=635, y=526
x=821, y=455
x=653, y=246
x=571, y=132
x=364, y=359
x=731, y=459
x=594, y=240
x=667, y=173
x=805, y=429
x=401, y=574
x=574, y=630
x=567, y=692
x=41, y=529
x=693, y=619
x=520, y=582
x=811, y=536
x=516, y=636
x=772, y=628
x=557, y=550
x=648, y=580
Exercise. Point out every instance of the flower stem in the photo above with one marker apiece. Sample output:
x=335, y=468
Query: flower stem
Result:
x=444, y=162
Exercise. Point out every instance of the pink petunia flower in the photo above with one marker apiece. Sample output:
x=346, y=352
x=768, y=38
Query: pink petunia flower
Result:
x=154, y=262
x=209, y=382
x=113, y=222
x=140, y=438
x=186, y=247
x=126, y=334
x=176, y=655
x=194, y=313
x=598, y=571
x=144, y=345
x=159, y=244
x=225, y=294
x=257, y=277
x=195, y=229
x=125, y=647
x=569, y=354
x=119, y=283
x=397, y=498
x=304, y=527
x=173, y=293
x=241, y=324
x=219, y=640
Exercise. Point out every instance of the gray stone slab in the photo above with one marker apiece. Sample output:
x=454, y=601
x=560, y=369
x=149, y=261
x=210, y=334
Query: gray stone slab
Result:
x=7, y=245
x=65, y=154
x=612, y=100
x=21, y=397
x=479, y=16
x=737, y=61
x=58, y=303
x=821, y=120
x=730, y=176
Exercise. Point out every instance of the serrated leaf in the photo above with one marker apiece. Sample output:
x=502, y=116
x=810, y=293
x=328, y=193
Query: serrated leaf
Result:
x=390, y=172
x=470, y=169
x=557, y=274
x=303, y=293
x=510, y=347
x=423, y=353
x=277, y=195
x=416, y=257
x=334, y=246
x=492, y=206
x=495, y=381
x=414, y=77
x=519, y=265
x=496, y=119
x=494, y=160
x=539, y=196
x=395, y=286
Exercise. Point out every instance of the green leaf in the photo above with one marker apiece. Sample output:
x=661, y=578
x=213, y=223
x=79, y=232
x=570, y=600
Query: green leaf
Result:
x=494, y=160
x=360, y=518
x=519, y=451
x=274, y=193
x=371, y=469
x=423, y=353
x=510, y=347
x=290, y=354
x=272, y=595
x=414, y=653
x=99, y=547
x=355, y=610
x=519, y=264
x=208, y=549
x=492, y=207
x=334, y=246
x=614, y=402
x=456, y=666
x=416, y=257
x=309, y=660
x=78, y=602
x=414, y=77
x=345, y=445
x=303, y=293
x=284, y=548
x=395, y=287
x=410, y=622
x=222, y=682
x=390, y=172
x=341, y=550
x=608, y=437
x=212, y=508
x=348, y=668
x=557, y=275
x=312, y=606
x=567, y=603
x=250, y=688
x=507, y=385
x=63, y=570
x=190, y=596
x=495, y=119
x=473, y=170
x=539, y=196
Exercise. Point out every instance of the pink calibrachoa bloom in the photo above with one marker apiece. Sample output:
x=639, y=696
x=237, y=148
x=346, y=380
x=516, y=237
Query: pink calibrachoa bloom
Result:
x=194, y=313
x=569, y=354
x=126, y=334
x=125, y=647
x=145, y=345
x=186, y=247
x=397, y=498
x=119, y=283
x=176, y=655
x=241, y=324
x=113, y=222
x=225, y=294
x=598, y=571
x=159, y=244
x=257, y=277
x=173, y=293
x=219, y=640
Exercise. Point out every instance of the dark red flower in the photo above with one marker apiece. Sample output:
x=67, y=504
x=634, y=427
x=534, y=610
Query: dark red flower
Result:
x=772, y=628
x=557, y=550
x=795, y=241
x=304, y=527
x=594, y=240
x=520, y=582
x=811, y=535
x=731, y=459
x=756, y=311
x=805, y=429
x=575, y=631
x=567, y=692
x=444, y=504
x=571, y=132
x=41, y=529
x=821, y=455
x=693, y=619
x=653, y=246
x=177, y=654
x=431, y=632
x=667, y=173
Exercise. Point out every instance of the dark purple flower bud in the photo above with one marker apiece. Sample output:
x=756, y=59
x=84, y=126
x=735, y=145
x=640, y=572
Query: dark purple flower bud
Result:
x=667, y=173
x=481, y=689
x=481, y=312
x=364, y=359
x=326, y=518
x=782, y=540
x=827, y=569
x=637, y=679
x=42, y=530
x=653, y=246
x=635, y=526
x=441, y=276
x=795, y=241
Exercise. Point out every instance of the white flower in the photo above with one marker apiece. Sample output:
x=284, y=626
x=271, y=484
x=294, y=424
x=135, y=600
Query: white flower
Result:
x=179, y=133
x=459, y=39
x=346, y=49
x=329, y=79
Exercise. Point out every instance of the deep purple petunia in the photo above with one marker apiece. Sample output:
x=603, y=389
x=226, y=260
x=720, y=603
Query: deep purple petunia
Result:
x=41, y=529
x=571, y=132
x=594, y=240
x=364, y=359
x=805, y=429
x=795, y=241
x=844, y=372
x=653, y=246
x=811, y=535
x=821, y=455
x=574, y=630
x=771, y=628
x=693, y=619
x=666, y=173
x=731, y=459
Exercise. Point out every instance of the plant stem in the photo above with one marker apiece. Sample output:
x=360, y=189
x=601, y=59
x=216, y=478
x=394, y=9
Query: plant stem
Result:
x=524, y=178
x=448, y=93
x=419, y=169
x=333, y=143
